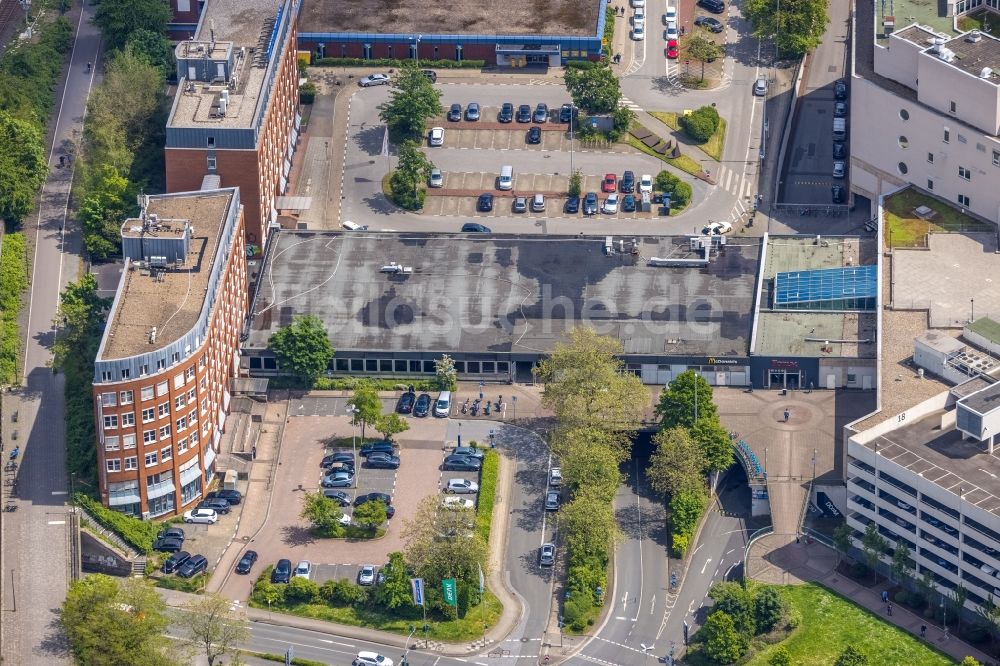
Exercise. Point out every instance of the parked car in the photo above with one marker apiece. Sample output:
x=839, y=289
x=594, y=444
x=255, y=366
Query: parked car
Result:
x=174, y=562
x=485, y=203
x=382, y=461
x=628, y=203
x=382, y=446
x=219, y=505
x=422, y=406
x=454, y=113
x=541, y=114
x=282, y=571
x=373, y=497
x=610, y=183
x=671, y=51
x=555, y=477
x=468, y=451
x=551, y=500
x=436, y=136
x=430, y=74
x=646, y=183
x=461, y=463
x=205, y=516
x=353, y=226
x=506, y=114
x=472, y=111
x=452, y=502
x=436, y=179
x=717, y=228
x=547, y=555
x=374, y=80
x=838, y=169
x=639, y=31
x=340, y=466
x=566, y=113
x=519, y=205
x=366, y=658
x=338, y=496
x=461, y=487
x=572, y=205
x=194, y=565
x=670, y=15
x=524, y=113
x=840, y=89
x=760, y=87
x=442, y=406
x=534, y=134
x=627, y=184
x=538, y=203
x=610, y=204
x=839, y=150
x=304, y=569
x=168, y=545
x=590, y=203
x=475, y=228
x=338, y=479
x=246, y=562
x=405, y=404
x=709, y=23
x=714, y=6
x=671, y=31
x=839, y=109
x=335, y=457
x=171, y=533
x=366, y=575
x=232, y=496
x=837, y=194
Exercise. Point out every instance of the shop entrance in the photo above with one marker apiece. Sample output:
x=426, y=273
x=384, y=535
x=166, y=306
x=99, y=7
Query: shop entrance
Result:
x=790, y=379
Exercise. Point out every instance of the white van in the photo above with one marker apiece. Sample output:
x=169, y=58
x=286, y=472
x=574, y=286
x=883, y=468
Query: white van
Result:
x=506, y=180
x=442, y=408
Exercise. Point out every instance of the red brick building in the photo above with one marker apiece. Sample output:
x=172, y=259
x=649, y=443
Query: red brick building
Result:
x=170, y=348
x=235, y=115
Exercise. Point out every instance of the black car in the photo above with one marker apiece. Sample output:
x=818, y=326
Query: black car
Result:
x=475, y=227
x=506, y=114
x=219, y=505
x=405, y=404
x=373, y=497
x=524, y=114
x=246, y=562
x=382, y=461
x=714, y=6
x=455, y=113
x=535, y=134
x=485, y=203
x=627, y=183
x=282, y=572
x=168, y=545
x=383, y=446
x=234, y=497
x=840, y=89
x=566, y=113
x=174, y=562
x=194, y=565
x=430, y=74
x=590, y=203
x=171, y=533
x=839, y=150
x=709, y=23
x=837, y=194
x=628, y=203
x=572, y=205
x=422, y=407
x=541, y=113
x=338, y=496
x=461, y=463
x=338, y=456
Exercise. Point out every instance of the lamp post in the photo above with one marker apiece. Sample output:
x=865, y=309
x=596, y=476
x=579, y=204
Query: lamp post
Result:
x=406, y=649
x=944, y=617
x=572, y=112
x=416, y=48
x=353, y=411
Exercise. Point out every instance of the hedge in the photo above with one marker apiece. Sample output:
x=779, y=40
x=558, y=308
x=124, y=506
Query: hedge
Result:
x=280, y=658
x=139, y=534
x=609, y=30
x=351, y=383
x=487, y=493
x=394, y=62
x=13, y=283
x=582, y=64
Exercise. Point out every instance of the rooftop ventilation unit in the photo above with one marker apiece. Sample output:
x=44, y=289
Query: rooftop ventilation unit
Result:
x=946, y=54
x=986, y=73
x=937, y=45
x=974, y=36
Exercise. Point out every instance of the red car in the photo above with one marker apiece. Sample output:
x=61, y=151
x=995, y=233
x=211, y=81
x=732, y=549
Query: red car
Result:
x=610, y=183
x=671, y=50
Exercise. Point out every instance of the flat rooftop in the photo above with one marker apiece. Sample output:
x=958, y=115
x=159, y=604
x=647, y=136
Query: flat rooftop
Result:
x=497, y=294
x=984, y=401
x=804, y=253
x=930, y=14
x=472, y=17
x=975, y=51
x=172, y=300
x=944, y=458
x=987, y=327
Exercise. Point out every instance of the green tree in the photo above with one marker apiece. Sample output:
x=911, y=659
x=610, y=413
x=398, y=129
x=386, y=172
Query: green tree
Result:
x=394, y=592
x=723, y=642
x=370, y=514
x=681, y=194
x=120, y=19
x=575, y=183
x=322, y=512
x=445, y=374
x=212, y=625
x=796, y=27
x=969, y=661
x=22, y=166
x=413, y=100
x=367, y=404
x=956, y=599
x=391, y=424
x=842, y=540
x=621, y=118
x=302, y=348
x=989, y=615
x=685, y=510
x=103, y=211
x=343, y=592
x=677, y=463
x=441, y=543
x=677, y=401
x=412, y=170
x=301, y=590
x=902, y=565
x=873, y=544
x=596, y=90
x=80, y=319
x=852, y=656
x=590, y=524
x=701, y=123
x=927, y=586
x=780, y=657
x=110, y=623
x=715, y=443
x=739, y=603
x=769, y=608
x=588, y=461
x=154, y=47
x=703, y=50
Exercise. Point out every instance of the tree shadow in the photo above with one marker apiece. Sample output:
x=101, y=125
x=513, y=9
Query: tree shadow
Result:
x=297, y=535
x=370, y=139
x=55, y=643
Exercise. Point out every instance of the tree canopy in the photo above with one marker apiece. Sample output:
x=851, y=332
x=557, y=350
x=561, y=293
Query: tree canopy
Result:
x=677, y=401
x=441, y=543
x=214, y=627
x=412, y=171
x=796, y=27
x=394, y=591
x=596, y=90
x=22, y=166
x=120, y=19
x=413, y=100
x=322, y=512
x=303, y=348
x=703, y=50
x=677, y=463
x=367, y=405
x=852, y=656
x=723, y=642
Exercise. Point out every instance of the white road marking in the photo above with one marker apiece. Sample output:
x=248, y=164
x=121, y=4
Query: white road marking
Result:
x=705, y=566
x=620, y=617
x=60, y=492
x=323, y=640
x=57, y=522
x=652, y=604
x=624, y=599
x=697, y=549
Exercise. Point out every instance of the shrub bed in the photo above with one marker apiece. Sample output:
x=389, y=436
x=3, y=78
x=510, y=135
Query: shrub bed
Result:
x=139, y=534
x=351, y=383
x=393, y=62
x=13, y=282
x=487, y=493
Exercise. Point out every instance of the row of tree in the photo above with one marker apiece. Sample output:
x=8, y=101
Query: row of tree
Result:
x=739, y=613
x=796, y=27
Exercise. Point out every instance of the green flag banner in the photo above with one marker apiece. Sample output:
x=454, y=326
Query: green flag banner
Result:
x=448, y=589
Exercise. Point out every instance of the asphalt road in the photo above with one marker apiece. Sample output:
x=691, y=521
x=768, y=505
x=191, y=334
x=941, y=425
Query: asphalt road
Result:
x=36, y=538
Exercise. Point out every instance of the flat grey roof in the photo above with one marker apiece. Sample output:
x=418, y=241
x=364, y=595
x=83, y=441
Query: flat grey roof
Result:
x=975, y=51
x=944, y=458
x=499, y=294
x=984, y=401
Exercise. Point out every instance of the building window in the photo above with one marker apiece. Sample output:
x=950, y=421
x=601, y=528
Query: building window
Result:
x=211, y=163
x=930, y=157
x=189, y=374
x=192, y=416
x=164, y=432
x=114, y=464
x=151, y=458
x=182, y=445
x=947, y=135
x=148, y=436
x=166, y=454
x=182, y=423
x=903, y=142
x=964, y=173
x=996, y=158
x=902, y=168
x=143, y=369
x=930, y=184
x=961, y=138
x=146, y=393
x=194, y=438
x=110, y=421
x=128, y=441
x=178, y=402
x=126, y=397
x=164, y=409
x=128, y=419
x=161, y=364
x=904, y=114
x=178, y=381
x=963, y=200
x=132, y=462
x=148, y=414
x=111, y=443
x=109, y=399
x=175, y=357
x=204, y=405
x=106, y=375
x=126, y=373
x=211, y=142
x=162, y=388
x=191, y=395
x=952, y=107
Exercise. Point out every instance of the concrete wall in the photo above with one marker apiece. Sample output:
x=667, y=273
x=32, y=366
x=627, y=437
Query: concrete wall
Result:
x=977, y=101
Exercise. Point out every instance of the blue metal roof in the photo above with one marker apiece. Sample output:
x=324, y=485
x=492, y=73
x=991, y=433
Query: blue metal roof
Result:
x=822, y=286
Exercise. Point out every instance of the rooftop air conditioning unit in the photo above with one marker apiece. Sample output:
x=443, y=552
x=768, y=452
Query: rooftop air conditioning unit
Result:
x=974, y=36
x=986, y=73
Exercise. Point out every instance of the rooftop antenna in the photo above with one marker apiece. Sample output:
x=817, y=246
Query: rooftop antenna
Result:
x=211, y=31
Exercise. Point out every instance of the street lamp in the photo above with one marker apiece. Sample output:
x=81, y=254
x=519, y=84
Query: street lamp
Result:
x=353, y=411
x=416, y=48
x=406, y=649
x=572, y=112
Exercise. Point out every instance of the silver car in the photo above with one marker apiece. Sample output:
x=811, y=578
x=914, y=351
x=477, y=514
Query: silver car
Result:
x=547, y=555
x=462, y=486
x=760, y=87
x=551, y=500
x=838, y=169
x=374, y=80
x=436, y=179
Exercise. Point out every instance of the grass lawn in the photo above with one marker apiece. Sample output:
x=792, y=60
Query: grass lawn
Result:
x=455, y=631
x=195, y=585
x=904, y=229
x=684, y=163
x=713, y=147
x=983, y=20
x=829, y=623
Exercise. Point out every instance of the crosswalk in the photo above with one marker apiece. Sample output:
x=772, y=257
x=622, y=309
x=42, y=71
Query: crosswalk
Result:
x=732, y=181
x=626, y=102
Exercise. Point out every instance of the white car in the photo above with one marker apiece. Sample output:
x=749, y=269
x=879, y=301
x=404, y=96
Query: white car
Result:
x=717, y=228
x=436, y=137
x=639, y=17
x=671, y=32
x=207, y=516
x=461, y=486
x=453, y=502
x=303, y=569
x=345, y=520
x=437, y=178
x=366, y=576
x=646, y=183
x=670, y=16
x=538, y=203
x=638, y=3
x=610, y=204
x=639, y=32
x=374, y=80
x=366, y=658
x=555, y=477
x=353, y=226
